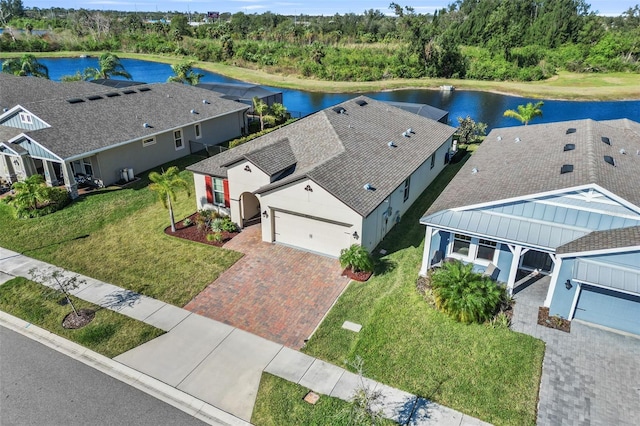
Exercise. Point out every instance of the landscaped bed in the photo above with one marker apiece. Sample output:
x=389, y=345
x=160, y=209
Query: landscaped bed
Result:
x=489, y=373
x=117, y=236
x=109, y=333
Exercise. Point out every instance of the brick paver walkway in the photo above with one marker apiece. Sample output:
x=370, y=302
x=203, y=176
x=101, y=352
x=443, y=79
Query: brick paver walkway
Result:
x=589, y=376
x=274, y=291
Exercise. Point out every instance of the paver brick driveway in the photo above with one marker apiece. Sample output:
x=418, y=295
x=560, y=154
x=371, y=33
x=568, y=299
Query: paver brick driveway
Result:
x=274, y=291
x=590, y=376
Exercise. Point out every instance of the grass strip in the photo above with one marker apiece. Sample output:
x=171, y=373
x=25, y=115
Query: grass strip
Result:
x=109, y=334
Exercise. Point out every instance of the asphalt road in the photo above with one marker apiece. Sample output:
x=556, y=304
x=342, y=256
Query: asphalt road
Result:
x=40, y=386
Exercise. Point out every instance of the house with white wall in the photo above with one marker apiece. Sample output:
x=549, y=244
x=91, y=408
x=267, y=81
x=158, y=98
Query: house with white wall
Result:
x=559, y=199
x=344, y=175
x=67, y=130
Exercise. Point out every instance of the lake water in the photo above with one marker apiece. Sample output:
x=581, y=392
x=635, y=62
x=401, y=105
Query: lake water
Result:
x=481, y=106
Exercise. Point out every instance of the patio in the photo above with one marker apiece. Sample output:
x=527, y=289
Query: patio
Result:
x=589, y=376
x=277, y=292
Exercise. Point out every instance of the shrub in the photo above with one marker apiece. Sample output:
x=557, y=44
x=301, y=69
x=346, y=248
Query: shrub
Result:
x=204, y=218
x=216, y=237
x=465, y=295
x=357, y=258
x=187, y=222
x=228, y=225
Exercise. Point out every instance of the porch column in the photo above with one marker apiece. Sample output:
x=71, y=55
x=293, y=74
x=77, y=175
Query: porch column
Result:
x=557, y=265
x=10, y=173
x=426, y=254
x=69, y=180
x=515, y=262
x=49, y=173
x=28, y=166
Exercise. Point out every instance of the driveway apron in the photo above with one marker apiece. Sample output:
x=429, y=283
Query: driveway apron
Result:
x=277, y=292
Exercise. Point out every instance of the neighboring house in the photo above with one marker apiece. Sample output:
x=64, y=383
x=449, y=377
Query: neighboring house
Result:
x=344, y=175
x=65, y=131
x=244, y=92
x=562, y=199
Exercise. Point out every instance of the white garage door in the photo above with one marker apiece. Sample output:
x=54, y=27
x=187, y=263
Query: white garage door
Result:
x=311, y=234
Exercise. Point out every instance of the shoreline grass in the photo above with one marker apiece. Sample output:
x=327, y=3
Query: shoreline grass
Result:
x=563, y=86
x=109, y=334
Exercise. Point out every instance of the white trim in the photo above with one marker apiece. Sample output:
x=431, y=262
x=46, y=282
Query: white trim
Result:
x=148, y=141
x=25, y=117
x=472, y=256
x=21, y=108
x=491, y=237
x=604, y=287
x=197, y=130
x=574, y=304
x=602, y=251
x=554, y=280
x=22, y=135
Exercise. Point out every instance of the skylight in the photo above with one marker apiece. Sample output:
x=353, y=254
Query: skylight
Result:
x=606, y=140
x=609, y=160
x=75, y=100
x=566, y=168
x=569, y=147
x=112, y=94
x=339, y=110
x=128, y=92
x=144, y=89
x=571, y=130
x=94, y=97
x=361, y=102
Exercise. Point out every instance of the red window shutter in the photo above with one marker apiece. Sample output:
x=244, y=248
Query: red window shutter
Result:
x=209, y=188
x=227, y=199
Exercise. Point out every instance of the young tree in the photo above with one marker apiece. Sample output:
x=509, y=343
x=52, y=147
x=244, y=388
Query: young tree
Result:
x=30, y=192
x=56, y=279
x=357, y=258
x=166, y=185
x=184, y=73
x=109, y=65
x=526, y=113
x=27, y=65
x=469, y=131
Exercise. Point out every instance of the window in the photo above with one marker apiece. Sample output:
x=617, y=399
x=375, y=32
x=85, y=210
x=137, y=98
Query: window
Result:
x=148, y=141
x=218, y=192
x=197, y=130
x=177, y=138
x=433, y=160
x=407, y=184
x=26, y=118
x=486, y=250
x=461, y=244
x=88, y=169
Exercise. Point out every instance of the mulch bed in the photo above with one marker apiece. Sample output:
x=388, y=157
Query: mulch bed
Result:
x=553, y=321
x=356, y=276
x=73, y=321
x=192, y=233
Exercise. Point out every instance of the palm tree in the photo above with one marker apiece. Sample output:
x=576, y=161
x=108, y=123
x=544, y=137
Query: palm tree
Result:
x=165, y=185
x=184, y=74
x=526, y=113
x=30, y=192
x=108, y=66
x=260, y=108
x=27, y=65
x=279, y=111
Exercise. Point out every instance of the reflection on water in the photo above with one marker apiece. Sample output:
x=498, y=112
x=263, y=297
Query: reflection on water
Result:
x=481, y=106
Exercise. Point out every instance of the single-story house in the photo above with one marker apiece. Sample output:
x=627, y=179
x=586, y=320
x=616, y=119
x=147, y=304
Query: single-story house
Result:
x=70, y=130
x=560, y=199
x=244, y=92
x=341, y=176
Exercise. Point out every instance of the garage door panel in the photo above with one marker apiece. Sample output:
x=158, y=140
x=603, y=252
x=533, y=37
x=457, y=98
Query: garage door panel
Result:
x=609, y=308
x=311, y=234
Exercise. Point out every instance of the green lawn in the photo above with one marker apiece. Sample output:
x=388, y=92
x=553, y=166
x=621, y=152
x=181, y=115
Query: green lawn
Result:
x=279, y=402
x=117, y=236
x=492, y=374
x=109, y=334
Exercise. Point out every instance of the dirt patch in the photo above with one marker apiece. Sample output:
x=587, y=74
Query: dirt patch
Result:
x=356, y=276
x=553, y=321
x=73, y=321
x=192, y=233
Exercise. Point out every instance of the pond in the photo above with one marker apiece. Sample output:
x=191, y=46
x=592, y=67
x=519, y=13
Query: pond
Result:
x=481, y=106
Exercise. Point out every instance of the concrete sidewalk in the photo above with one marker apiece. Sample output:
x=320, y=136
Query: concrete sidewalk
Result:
x=221, y=365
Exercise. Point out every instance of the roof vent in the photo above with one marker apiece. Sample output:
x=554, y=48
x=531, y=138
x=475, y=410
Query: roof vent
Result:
x=609, y=160
x=499, y=138
x=144, y=89
x=566, y=168
x=94, y=97
x=410, y=131
x=392, y=144
x=112, y=94
x=75, y=100
x=569, y=147
x=518, y=140
x=339, y=110
x=128, y=92
x=146, y=125
x=193, y=111
x=361, y=102
x=622, y=151
x=5, y=109
x=369, y=187
x=206, y=102
x=406, y=134
x=474, y=170
x=570, y=130
x=606, y=140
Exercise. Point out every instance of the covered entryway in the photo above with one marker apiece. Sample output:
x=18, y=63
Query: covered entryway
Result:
x=249, y=209
x=610, y=308
x=311, y=233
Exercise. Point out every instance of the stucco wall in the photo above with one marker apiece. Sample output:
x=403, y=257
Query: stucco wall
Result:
x=562, y=298
x=241, y=181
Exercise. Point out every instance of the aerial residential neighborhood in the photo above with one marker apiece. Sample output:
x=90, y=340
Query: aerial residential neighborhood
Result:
x=425, y=214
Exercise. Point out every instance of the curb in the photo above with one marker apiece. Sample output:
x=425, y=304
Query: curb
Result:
x=147, y=384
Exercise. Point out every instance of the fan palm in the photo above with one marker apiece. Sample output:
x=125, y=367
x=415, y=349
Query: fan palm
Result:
x=465, y=295
x=109, y=65
x=184, y=73
x=525, y=113
x=27, y=65
x=166, y=185
x=260, y=108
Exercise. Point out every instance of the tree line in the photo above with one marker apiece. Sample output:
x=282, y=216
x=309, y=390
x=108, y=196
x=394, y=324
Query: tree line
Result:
x=522, y=40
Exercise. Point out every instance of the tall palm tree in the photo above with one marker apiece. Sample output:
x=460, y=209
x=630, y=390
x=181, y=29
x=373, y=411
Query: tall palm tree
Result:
x=109, y=65
x=260, y=108
x=27, y=65
x=166, y=185
x=30, y=192
x=184, y=73
x=526, y=113
x=279, y=111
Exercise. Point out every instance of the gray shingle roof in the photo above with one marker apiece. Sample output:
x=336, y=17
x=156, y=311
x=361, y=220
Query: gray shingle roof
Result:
x=274, y=158
x=603, y=240
x=93, y=125
x=508, y=169
x=7, y=133
x=343, y=152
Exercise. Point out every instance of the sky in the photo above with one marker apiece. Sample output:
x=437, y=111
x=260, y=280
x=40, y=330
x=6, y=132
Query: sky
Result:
x=286, y=7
